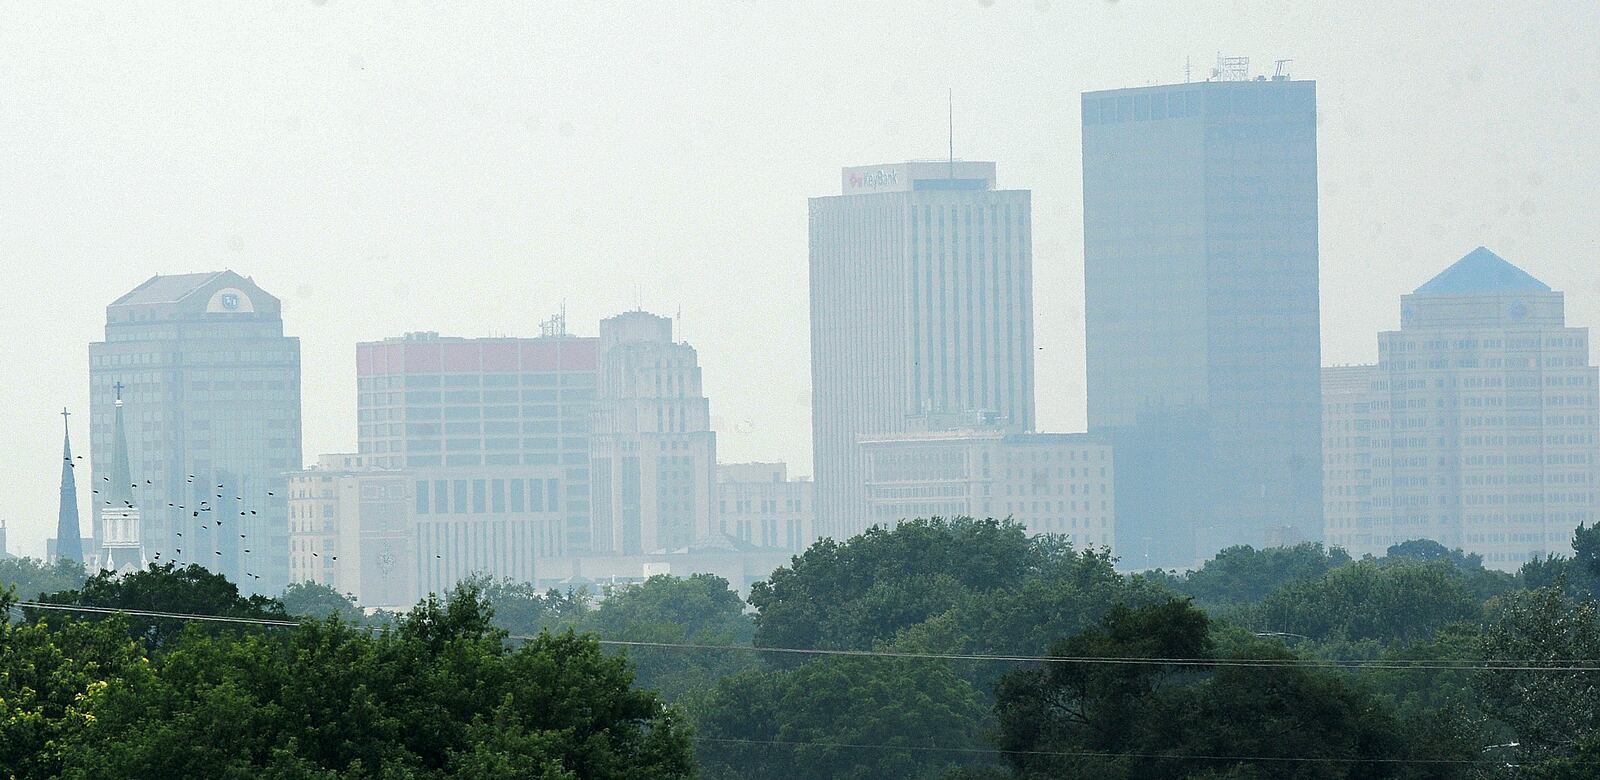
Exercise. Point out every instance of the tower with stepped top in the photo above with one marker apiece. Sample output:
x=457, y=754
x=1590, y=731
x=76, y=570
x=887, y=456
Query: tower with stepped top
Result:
x=1475, y=428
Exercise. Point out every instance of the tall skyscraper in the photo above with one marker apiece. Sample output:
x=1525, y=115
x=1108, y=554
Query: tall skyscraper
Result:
x=68, y=542
x=1201, y=310
x=213, y=387
x=655, y=455
x=1475, y=429
x=921, y=302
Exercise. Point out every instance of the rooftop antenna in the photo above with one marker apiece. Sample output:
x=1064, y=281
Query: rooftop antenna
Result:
x=1281, y=72
x=1186, y=70
x=951, y=103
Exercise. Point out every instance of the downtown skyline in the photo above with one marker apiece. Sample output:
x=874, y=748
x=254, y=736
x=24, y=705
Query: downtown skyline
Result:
x=373, y=278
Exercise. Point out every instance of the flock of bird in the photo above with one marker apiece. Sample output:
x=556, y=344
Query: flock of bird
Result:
x=204, y=506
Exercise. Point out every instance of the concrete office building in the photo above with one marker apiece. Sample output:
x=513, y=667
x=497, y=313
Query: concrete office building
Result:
x=351, y=529
x=1060, y=483
x=494, y=436
x=212, y=393
x=1201, y=312
x=654, y=458
x=1476, y=428
x=921, y=302
x=758, y=504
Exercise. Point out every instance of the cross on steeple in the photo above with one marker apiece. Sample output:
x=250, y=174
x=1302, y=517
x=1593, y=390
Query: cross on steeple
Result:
x=118, y=387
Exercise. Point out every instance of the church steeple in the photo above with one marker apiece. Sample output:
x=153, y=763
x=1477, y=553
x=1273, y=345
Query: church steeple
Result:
x=120, y=549
x=120, y=496
x=68, y=543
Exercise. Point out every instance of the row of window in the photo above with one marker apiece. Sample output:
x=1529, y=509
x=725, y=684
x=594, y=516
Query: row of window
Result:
x=481, y=496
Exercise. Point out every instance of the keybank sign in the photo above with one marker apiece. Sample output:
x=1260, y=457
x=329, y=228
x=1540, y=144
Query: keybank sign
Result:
x=878, y=179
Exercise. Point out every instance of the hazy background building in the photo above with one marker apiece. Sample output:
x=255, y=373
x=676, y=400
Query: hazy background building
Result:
x=921, y=302
x=757, y=503
x=212, y=390
x=1477, y=426
x=494, y=435
x=655, y=454
x=351, y=529
x=1201, y=311
x=964, y=465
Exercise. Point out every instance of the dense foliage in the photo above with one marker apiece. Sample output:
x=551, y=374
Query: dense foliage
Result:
x=440, y=695
x=913, y=652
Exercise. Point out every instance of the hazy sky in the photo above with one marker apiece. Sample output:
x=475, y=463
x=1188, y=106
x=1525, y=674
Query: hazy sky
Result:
x=386, y=167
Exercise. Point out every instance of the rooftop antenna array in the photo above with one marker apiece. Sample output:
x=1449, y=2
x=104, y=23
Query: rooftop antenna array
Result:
x=557, y=324
x=1281, y=70
x=1231, y=69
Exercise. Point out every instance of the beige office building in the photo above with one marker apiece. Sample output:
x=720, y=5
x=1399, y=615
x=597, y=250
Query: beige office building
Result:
x=758, y=504
x=654, y=455
x=1476, y=428
x=349, y=530
x=1057, y=483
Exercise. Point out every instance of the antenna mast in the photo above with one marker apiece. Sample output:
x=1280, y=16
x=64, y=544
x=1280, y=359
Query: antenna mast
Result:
x=951, y=103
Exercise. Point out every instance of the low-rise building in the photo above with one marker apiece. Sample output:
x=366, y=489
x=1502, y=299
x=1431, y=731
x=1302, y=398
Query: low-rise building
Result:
x=1058, y=483
x=349, y=530
x=758, y=504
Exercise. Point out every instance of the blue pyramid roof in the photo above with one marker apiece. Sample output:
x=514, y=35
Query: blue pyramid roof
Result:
x=1482, y=271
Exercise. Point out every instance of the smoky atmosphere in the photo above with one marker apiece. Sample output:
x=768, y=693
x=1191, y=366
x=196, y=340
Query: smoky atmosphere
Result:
x=934, y=390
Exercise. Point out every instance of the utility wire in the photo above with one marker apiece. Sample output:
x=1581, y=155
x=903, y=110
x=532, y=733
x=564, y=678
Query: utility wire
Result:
x=1098, y=754
x=1514, y=665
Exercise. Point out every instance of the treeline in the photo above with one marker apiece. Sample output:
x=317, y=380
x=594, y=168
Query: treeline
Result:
x=958, y=649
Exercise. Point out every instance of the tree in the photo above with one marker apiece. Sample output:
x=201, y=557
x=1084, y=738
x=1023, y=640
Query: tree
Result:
x=700, y=609
x=847, y=718
x=521, y=609
x=1170, y=719
x=1244, y=574
x=49, y=671
x=167, y=588
x=441, y=696
x=1549, y=713
x=31, y=577
x=313, y=599
x=865, y=590
x=1394, y=601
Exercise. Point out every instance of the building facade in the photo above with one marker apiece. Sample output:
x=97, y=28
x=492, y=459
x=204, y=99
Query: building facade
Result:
x=494, y=437
x=921, y=302
x=1201, y=312
x=1476, y=428
x=1059, y=483
x=351, y=529
x=212, y=389
x=654, y=458
x=758, y=504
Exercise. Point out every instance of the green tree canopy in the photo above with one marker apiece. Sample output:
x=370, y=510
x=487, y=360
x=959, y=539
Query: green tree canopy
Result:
x=443, y=695
x=168, y=588
x=313, y=599
x=1244, y=574
x=30, y=578
x=846, y=718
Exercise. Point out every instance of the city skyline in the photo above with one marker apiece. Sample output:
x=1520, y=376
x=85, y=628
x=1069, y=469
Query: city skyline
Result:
x=1478, y=179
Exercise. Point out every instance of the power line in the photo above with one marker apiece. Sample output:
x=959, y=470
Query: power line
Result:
x=1098, y=754
x=1512, y=665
